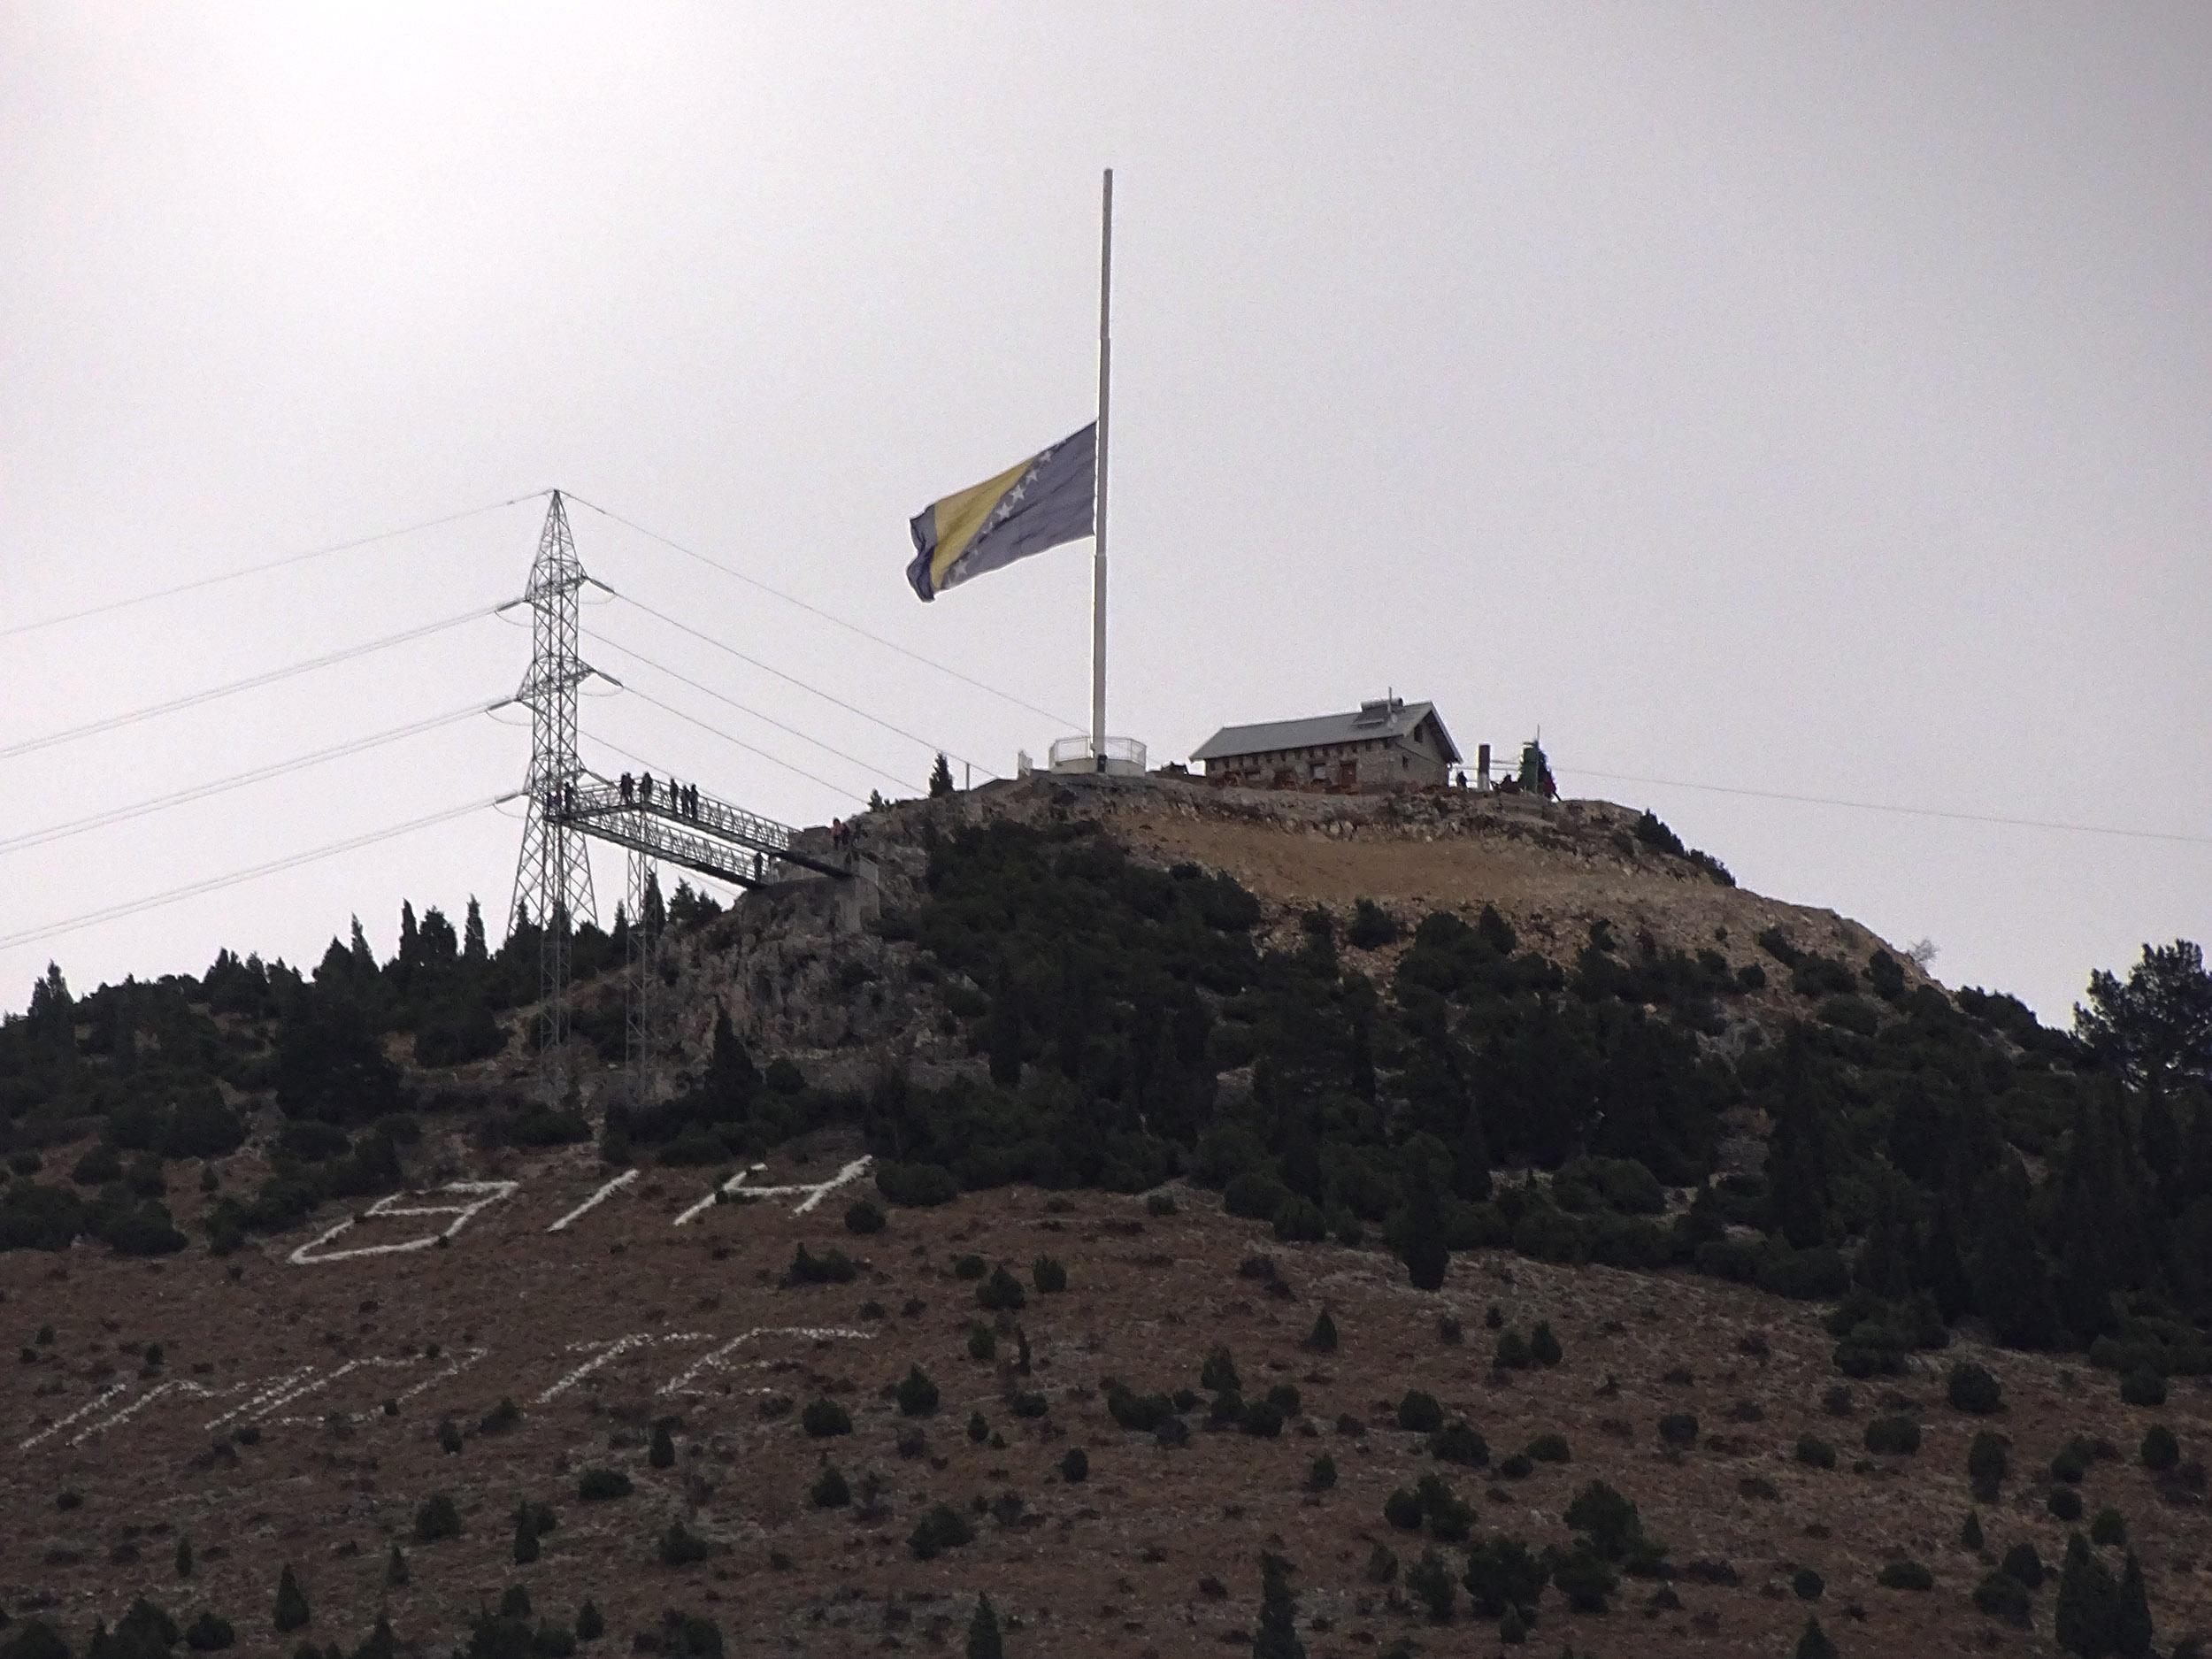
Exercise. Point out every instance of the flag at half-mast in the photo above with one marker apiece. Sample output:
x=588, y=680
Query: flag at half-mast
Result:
x=1039, y=503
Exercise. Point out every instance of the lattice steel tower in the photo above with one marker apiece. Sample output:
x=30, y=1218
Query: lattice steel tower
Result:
x=553, y=877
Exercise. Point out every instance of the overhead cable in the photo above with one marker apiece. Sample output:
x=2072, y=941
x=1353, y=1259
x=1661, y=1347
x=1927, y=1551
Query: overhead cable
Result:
x=192, y=700
x=201, y=792
x=716, y=731
x=639, y=657
x=719, y=645
x=113, y=913
x=197, y=583
x=1886, y=806
x=814, y=609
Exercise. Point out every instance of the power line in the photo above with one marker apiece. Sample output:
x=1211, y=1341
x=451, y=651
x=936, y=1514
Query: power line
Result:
x=251, y=682
x=709, y=639
x=254, y=569
x=638, y=656
x=1884, y=806
x=54, y=930
x=716, y=731
x=258, y=774
x=813, y=610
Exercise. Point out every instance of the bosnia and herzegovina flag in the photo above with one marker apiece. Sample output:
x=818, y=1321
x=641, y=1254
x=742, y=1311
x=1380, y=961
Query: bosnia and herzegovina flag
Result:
x=1039, y=503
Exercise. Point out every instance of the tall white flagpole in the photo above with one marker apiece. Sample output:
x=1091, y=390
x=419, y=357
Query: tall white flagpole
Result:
x=1098, y=554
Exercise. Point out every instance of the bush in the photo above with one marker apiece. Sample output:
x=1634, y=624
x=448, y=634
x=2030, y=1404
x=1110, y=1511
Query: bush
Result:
x=2023, y=1565
x=917, y=1394
x=1892, y=1437
x=832, y=1267
x=1322, y=1339
x=1806, y=1583
x=1988, y=1460
x=2161, y=1450
x=1549, y=1448
x=1971, y=1387
x=830, y=1490
x=662, y=1453
x=1048, y=1275
x=1000, y=1293
x=2109, y=1530
x=591, y=1624
x=1159, y=1204
x=1543, y=1347
x=1402, y=1509
x=864, y=1217
x=210, y=1634
x=1419, y=1413
x=291, y=1605
x=1904, y=1575
x=680, y=1547
x=1372, y=927
x=1431, y=1580
x=597, y=1486
x=2064, y=1503
x=824, y=1417
x=1076, y=1465
x=2001, y=1596
x=1606, y=1519
x=1815, y=1452
x=1263, y=1419
x=2070, y=1465
x=1459, y=1442
x=942, y=1528
x=916, y=1185
x=2143, y=1386
x=1971, y=1531
x=437, y=1519
x=1505, y=1576
x=1678, y=1429
x=970, y=1266
x=1321, y=1474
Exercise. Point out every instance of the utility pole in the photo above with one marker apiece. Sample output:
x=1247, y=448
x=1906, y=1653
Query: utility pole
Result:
x=553, y=876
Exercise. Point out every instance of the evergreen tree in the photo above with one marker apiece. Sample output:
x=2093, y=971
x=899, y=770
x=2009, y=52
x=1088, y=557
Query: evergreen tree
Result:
x=1416, y=1232
x=731, y=1080
x=394, y=1570
x=184, y=1557
x=2085, y=1621
x=525, y=1536
x=472, y=950
x=1277, y=1637
x=2099, y=1230
x=291, y=1605
x=940, y=777
x=653, y=913
x=410, y=955
x=1813, y=1643
x=362, y=959
x=1798, y=1153
x=983, y=1637
x=2157, y=1029
x=2131, y=1634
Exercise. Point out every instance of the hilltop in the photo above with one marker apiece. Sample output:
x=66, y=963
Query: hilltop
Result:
x=1645, y=1211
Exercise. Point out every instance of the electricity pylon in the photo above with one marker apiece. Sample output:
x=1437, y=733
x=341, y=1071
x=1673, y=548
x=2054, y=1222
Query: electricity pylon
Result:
x=553, y=877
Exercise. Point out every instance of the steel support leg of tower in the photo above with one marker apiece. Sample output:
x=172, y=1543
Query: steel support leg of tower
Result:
x=643, y=968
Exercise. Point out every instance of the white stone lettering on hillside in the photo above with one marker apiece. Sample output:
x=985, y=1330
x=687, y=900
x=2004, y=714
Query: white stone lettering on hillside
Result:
x=594, y=1200
x=271, y=1395
x=177, y=1385
x=90, y=1406
x=475, y=1195
x=810, y=1194
x=605, y=1353
x=717, y=1359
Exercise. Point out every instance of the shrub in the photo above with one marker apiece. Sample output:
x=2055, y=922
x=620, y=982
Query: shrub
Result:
x=1806, y=1583
x=291, y=1604
x=1263, y=1419
x=1431, y=1580
x=1512, y=1352
x=1299, y=1221
x=2001, y=1596
x=2161, y=1450
x=1460, y=1442
x=1000, y=1293
x=1419, y=1413
x=2025, y=1565
x=661, y=1454
x=680, y=1547
x=1159, y=1204
x=1076, y=1465
x=2064, y=1503
x=2070, y=1465
x=1988, y=1460
x=1904, y=1575
x=210, y=1634
x=1218, y=1373
x=1504, y=1575
x=1049, y=1274
x=1585, y=1579
x=1892, y=1437
x=1813, y=1643
x=970, y=1266
x=597, y=1486
x=1322, y=1339
x=1971, y=1387
x=1372, y=927
x=916, y=1185
x=832, y=1267
x=2143, y=1386
x=437, y=1519
x=2107, y=1529
x=979, y=1428
x=863, y=1217
x=824, y=1417
x=1678, y=1429
x=591, y=1625
x=942, y=1528
x=1543, y=1347
x=830, y=1490
x=1971, y=1531
x=1321, y=1473
x=1608, y=1520
x=918, y=1394
x=1520, y=1466
x=1815, y=1452
x=1550, y=1448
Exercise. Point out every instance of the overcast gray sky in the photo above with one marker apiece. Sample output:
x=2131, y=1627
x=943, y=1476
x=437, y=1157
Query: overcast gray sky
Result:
x=1815, y=400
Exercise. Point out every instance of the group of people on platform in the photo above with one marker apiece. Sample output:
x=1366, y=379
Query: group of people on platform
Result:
x=680, y=798
x=840, y=834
